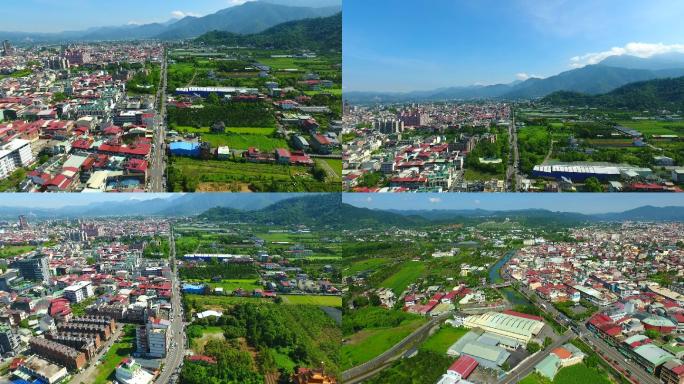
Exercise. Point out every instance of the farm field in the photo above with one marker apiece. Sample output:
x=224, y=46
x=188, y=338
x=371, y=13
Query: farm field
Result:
x=189, y=175
x=443, y=339
x=369, y=343
x=370, y=264
x=409, y=272
x=231, y=285
x=328, y=301
x=244, y=141
x=653, y=127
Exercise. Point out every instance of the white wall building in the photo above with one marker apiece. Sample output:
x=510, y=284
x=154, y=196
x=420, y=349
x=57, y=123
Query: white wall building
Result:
x=14, y=155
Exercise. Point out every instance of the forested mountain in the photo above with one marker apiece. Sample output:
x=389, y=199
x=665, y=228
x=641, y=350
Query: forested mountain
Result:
x=249, y=18
x=314, y=34
x=652, y=94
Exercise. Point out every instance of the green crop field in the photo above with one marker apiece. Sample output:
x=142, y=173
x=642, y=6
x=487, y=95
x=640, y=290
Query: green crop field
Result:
x=369, y=343
x=408, y=273
x=652, y=127
x=327, y=301
x=443, y=339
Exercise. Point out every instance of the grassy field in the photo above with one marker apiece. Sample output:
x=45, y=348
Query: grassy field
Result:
x=475, y=175
x=194, y=174
x=244, y=141
x=231, y=285
x=408, y=273
x=534, y=378
x=208, y=333
x=335, y=164
x=580, y=374
x=240, y=130
x=15, y=250
x=328, y=301
x=364, y=265
x=652, y=127
x=443, y=339
x=119, y=350
x=369, y=343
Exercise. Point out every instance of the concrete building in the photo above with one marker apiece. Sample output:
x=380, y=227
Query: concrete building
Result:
x=59, y=353
x=35, y=367
x=672, y=372
x=152, y=340
x=14, y=155
x=130, y=372
x=9, y=341
x=34, y=268
x=79, y=291
x=517, y=327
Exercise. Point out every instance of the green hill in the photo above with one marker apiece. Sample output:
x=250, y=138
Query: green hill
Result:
x=651, y=94
x=318, y=34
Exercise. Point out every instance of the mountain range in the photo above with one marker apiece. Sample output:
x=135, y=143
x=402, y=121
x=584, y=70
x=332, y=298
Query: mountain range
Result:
x=611, y=73
x=317, y=34
x=655, y=94
x=249, y=18
x=177, y=205
x=410, y=218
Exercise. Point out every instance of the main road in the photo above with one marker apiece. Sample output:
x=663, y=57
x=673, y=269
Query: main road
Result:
x=157, y=162
x=174, y=354
x=577, y=329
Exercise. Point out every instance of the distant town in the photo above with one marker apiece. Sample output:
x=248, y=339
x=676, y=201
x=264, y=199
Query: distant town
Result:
x=510, y=146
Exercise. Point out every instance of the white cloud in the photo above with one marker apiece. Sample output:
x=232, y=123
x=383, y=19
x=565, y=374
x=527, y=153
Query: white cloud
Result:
x=232, y=3
x=181, y=14
x=643, y=50
x=369, y=199
x=476, y=202
x=134, y=22
x=435, y=200
x=524, y=76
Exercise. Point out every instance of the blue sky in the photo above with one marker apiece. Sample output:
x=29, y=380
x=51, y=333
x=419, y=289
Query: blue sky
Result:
x=564, y=202
x=71, y=15
x=58, y=200
x=402, y=45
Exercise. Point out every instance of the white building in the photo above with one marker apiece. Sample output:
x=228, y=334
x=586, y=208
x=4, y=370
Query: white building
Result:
x=130, y=372
x=14, y=155
x=79, y=291
x=153, y=339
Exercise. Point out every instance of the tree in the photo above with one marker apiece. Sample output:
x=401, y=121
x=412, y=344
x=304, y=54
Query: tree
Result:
x=652, y=334
x=547, y=341
x=532, y=347
x=592, y=184
x=213, y=98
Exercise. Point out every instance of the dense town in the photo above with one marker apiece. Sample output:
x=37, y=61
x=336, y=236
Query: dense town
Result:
x=506, y=302
x=497, y=147
x=102, y=300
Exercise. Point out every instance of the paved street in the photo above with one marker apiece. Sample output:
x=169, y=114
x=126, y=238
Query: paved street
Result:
x=174, y=357
x=88, y=374
x=157, y=163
